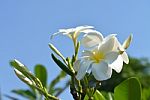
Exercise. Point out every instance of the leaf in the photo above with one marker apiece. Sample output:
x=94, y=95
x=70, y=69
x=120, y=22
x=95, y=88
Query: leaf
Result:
x=25, y=93
x=10, y=97
x=146, y=94
x=55, y=81
x=63, y=89
x=97, y=96
x=25, y=75
x=129, y=89
x=53, y=48
x=62, y=66
x=41, y=73
x=108, y=95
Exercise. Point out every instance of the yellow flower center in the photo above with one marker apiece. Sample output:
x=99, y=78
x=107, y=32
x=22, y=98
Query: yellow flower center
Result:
x=97, y=57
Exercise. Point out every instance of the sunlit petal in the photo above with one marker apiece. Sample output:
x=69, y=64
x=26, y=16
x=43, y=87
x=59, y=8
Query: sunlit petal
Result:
x=125, y=57
x=84, y=66
x=110, y=57
x=107, y=46
x=117, y=64
x=101, y=71
x=92, y=38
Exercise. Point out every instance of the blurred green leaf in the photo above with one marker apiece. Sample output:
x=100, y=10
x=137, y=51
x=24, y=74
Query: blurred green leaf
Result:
x=97, y=96
x=139, y=68
x=25, y=93
x=41, y=73
x=62, y=66
x=146, y=94
x=129, y=89
x=10, y=97
x=62, y=89
x=108, y=95
x=55, y=81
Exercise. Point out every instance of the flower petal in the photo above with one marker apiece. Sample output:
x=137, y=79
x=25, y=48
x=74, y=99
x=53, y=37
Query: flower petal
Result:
x=125, y=57
x=118, y=46
x=127, y=42
x=107, y=46
x=110, y=57
x=77, y=65
x=92, y=38
x=53, y=35
x=84, y=67
x=117, y=64
x=79, y=29
x=109, y=36
x=87, y=53
x=101, y=71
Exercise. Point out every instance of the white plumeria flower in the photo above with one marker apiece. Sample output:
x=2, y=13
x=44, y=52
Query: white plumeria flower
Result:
x=123, y=57
x=92, y=38
x=97, y=60
x=73, y=33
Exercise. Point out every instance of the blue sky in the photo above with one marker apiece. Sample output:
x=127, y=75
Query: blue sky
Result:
x=26, y=26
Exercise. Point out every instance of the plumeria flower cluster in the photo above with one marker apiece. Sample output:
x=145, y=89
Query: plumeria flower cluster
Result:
x=101, y=54
x=106, y=54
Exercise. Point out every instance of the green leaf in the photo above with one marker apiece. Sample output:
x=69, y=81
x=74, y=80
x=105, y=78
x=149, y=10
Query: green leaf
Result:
x=97, y=96
x=58, y=78
x=62, y=66
x=41, y=73
x=146, y=94
x=24, y=74
x=108, y=95
x=10, y=97
x=23, y=77
x=53, y=48
x=129, y=89
x=25, y=93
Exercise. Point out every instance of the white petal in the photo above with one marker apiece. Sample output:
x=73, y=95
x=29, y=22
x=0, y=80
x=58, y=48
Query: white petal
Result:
x=63, y=31
x=87, y=53
x=117, y=64
x=109, y=36
x=77, y=65
x=79, y=29
x=84, y=66
x=127, y=42
x=53, y=35
x=117, y=46
x=101, y=71
x=92, y=38
x=125, y=57
x=107, y=46
x=110, y=57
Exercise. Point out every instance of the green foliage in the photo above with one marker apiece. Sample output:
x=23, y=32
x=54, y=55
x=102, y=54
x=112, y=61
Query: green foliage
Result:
x=146, y=94
x=25, y=93
x=31, y=80
x=129, y=89
x=61, y=76
x=41, y=73
x=136, y=68
x=62, y=66
x=97, y=96
x=108, y=95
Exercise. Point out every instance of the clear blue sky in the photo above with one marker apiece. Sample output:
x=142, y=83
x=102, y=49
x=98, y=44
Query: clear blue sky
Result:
x=26, y=26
